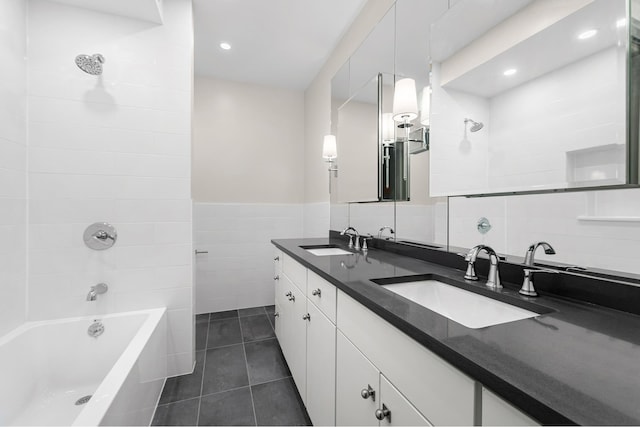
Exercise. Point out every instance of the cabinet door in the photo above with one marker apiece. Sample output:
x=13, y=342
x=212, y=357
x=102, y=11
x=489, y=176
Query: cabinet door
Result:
x=497, y=412
x=401, y=411
x=354, y=373
x=296, y=341
x=321, y=368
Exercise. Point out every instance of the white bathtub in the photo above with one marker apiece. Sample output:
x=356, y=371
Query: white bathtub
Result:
x=45, y=367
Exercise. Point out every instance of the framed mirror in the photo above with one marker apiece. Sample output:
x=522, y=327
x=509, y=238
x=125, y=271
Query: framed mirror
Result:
x=531, y=97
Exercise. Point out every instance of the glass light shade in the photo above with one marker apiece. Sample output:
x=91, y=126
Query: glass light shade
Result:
x=329, y=149
x=405, y=101
x=388, y=128
x=425, y=111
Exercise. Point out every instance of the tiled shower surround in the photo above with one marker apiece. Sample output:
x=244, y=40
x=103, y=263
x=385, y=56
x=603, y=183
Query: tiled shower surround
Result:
x=112, y=148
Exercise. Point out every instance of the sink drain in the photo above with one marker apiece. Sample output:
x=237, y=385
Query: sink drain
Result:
x=83, y=400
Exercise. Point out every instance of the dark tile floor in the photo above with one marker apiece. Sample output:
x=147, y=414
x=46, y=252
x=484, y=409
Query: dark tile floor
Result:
x=240, y=378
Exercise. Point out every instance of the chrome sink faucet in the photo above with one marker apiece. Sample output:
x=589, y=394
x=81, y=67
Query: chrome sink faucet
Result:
x=493, y=279
x=527, y=288
x=96, y=290
x=531, y=252
x=386, y=227
x=351, y=232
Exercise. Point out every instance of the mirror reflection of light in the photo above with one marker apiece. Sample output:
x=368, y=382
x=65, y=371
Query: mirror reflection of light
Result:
x=622, y=22
x=510, y=72
x=587, y=34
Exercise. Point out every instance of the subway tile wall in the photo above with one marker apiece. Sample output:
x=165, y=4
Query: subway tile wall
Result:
x=112, y=148
x=237, y=271
x=13, y=162
x=598, y=229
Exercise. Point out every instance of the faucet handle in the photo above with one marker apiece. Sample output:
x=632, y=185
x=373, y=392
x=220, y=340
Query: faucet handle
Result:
x=364, y=242
x=350, y=240
x=527, y=288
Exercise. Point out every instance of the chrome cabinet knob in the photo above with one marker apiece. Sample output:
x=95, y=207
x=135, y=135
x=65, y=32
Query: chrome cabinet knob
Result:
x=306, y=317
x=288, y=294
x=368, y=392
x=276, y=278
x=383, y=413
x=292, y=298
x=316, y=292
x=277, y=258
x=276, y=314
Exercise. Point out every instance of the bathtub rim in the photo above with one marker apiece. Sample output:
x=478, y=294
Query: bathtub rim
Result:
x=96, y=409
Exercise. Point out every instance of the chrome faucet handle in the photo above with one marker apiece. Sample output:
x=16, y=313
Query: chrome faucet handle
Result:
x=493, y=280
x=365, y=248
x=350, y=240
x=527, y=288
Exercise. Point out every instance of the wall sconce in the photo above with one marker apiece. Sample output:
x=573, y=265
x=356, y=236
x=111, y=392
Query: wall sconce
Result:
x=330, y=154
x=425, y=111
x=405, y=102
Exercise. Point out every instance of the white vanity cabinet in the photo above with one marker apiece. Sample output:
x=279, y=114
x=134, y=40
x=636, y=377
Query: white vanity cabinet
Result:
x=437, y=390
x=364, y=394
x=497, y=412
x=307, y=335
x=352, y=366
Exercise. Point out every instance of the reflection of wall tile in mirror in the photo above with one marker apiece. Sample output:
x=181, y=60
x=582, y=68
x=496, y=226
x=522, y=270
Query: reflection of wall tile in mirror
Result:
x=561, y=219
x=367, y=218
x=463, y=221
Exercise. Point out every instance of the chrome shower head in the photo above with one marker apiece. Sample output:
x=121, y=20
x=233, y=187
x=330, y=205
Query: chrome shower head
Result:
x=91, y=64
x=476, y=126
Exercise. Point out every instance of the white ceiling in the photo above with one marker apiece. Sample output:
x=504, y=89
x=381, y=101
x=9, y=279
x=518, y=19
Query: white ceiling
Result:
x=281, y=43
x=147, y=10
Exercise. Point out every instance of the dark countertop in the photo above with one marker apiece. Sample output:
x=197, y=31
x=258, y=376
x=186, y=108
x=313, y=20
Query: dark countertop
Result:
x=577, y=364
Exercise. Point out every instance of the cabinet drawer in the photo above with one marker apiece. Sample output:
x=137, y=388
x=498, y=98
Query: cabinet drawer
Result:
x=277, y=261
x=438, y=390
x=296, y=272
x=322, y=294
x=497, y=412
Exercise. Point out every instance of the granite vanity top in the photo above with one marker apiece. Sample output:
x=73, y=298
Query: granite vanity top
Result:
x=577, y=364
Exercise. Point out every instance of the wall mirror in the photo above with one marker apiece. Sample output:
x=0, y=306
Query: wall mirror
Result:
x=396, y=48
x=531, y=96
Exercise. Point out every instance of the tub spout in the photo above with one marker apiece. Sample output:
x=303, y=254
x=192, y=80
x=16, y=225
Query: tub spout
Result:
x=96, y=290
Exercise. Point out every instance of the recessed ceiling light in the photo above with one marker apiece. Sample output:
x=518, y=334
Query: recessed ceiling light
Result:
x=621, y=22
x=225, y=46
x=587, y=34
x=510, y=72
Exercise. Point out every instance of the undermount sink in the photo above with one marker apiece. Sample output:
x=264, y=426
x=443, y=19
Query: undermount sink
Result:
x=467, y=308
x=325, y=250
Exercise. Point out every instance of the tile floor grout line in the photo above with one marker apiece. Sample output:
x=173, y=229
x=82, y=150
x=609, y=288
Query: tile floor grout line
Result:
x=246, y=365
x=271, y=381
x=204, y=365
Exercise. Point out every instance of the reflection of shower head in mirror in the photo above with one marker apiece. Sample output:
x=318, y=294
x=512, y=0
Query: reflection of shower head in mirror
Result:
x=475, y=126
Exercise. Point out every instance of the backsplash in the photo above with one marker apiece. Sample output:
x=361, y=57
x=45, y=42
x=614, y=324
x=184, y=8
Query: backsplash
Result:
x=599, y=229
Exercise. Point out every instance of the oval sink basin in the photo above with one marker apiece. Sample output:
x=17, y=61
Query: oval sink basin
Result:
x=467, y=308
x=325, y=250
x=328, y=251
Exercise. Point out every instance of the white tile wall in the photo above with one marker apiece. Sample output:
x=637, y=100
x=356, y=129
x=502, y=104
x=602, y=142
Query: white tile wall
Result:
x=237, y=271
x=13, y=156
x=112, y=148
x=316, y=219
x=519, y=221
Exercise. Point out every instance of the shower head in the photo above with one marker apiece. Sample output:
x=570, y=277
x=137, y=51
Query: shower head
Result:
x=476, y=126
x=91, y=64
